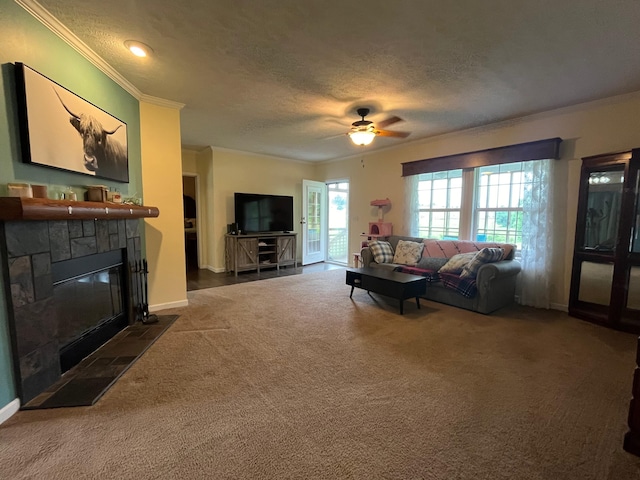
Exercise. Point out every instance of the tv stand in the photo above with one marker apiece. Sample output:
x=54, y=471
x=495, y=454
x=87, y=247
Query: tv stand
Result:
x=259, y=251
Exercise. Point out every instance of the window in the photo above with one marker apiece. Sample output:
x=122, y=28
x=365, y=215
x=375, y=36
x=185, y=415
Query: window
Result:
x=493, y=195
x=439, y=200
x=500, y=195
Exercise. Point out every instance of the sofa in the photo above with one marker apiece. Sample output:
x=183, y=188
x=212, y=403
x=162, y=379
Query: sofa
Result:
x=455, y=272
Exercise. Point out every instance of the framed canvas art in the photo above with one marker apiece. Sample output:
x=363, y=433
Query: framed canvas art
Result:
x=61, y=130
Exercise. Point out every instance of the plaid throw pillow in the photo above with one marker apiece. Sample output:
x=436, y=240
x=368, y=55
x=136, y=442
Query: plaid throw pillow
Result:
x=382, y=251
x=486, y=255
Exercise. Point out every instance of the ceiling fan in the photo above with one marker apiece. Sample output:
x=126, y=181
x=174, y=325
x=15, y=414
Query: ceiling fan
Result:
x=364, y=131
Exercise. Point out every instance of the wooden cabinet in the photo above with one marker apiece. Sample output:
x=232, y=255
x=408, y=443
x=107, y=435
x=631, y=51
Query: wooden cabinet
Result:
x=632, y=438
x=246, y=253
x=605, y=281
x=286, y=250
x=257, y=252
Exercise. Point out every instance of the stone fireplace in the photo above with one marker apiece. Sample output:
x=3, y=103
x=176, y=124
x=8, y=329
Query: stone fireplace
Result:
x=67, y=281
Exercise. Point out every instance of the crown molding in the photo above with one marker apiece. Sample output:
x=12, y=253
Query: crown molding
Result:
x=161, y=102
x=53, y=24
x=215, y=149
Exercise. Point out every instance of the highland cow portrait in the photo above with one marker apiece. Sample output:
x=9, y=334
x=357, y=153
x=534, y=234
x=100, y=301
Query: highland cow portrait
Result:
x=61, y=130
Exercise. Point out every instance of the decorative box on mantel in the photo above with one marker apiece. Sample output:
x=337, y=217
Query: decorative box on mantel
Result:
x=67, y=264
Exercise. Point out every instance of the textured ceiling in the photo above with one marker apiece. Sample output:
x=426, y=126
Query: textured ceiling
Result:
x=284, y=77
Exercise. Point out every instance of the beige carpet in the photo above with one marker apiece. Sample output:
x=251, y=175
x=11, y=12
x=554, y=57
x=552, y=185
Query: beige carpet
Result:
x=289, y=378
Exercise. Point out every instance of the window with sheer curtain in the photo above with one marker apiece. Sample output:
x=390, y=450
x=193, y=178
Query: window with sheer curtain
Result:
x=505, y=203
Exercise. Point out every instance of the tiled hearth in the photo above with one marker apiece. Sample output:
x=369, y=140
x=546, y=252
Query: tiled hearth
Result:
x=85, y=383
x=30, y=251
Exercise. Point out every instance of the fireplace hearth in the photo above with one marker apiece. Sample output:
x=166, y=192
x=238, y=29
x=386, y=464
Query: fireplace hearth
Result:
x=68, y=292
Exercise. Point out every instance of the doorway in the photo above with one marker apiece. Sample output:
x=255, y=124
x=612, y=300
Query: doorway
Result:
x=189, y=200
x=314, y=221
x=338, y=219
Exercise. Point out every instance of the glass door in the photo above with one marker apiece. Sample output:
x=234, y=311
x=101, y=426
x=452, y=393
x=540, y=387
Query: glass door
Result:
x=338, y=246
x=605, y=282
x=314, y=220
x=633, y=298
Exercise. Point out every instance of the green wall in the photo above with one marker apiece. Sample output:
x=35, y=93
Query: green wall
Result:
x=24, y=39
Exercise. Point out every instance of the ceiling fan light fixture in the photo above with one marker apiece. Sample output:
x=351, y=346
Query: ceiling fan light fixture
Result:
x=362, y=137
x=139, y=49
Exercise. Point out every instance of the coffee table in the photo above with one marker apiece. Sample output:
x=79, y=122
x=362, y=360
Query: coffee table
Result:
x=400, y=286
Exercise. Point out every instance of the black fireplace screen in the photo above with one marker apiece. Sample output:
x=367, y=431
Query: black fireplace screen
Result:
x=90, y=302
x=86, y=302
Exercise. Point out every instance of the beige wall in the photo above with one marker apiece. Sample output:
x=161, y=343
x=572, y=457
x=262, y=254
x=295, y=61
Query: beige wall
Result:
x=199, y=163
x=162, y=186
x=235, y=171
x=589, y=129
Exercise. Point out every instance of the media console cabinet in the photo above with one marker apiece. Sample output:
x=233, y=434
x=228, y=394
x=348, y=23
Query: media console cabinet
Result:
x=259, y=251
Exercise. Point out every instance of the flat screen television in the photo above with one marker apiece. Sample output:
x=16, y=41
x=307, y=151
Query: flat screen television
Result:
x=258, y=213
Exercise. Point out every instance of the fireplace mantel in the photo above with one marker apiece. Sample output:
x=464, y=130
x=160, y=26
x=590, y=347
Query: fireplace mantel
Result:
x=22, y=208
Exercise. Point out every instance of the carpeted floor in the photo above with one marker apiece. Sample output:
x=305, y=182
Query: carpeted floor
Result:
x=289, y=378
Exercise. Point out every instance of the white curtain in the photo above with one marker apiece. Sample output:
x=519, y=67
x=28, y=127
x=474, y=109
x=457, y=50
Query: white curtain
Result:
x=537, y=229
x=411, y=206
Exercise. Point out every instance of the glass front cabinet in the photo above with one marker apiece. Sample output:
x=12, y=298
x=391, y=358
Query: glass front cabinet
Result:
x=605, y=280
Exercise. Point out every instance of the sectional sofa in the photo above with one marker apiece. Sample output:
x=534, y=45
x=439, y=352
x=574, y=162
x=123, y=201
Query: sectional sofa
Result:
x=490, y=287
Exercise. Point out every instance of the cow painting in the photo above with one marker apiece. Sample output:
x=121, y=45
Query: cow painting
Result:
x=102, y=154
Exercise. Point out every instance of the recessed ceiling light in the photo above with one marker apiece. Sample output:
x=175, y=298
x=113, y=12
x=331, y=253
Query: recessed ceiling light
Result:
x=139, y=49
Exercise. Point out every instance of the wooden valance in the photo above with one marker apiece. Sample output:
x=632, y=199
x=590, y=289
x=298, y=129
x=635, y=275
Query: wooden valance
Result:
x=22, y=208
x=521, y=152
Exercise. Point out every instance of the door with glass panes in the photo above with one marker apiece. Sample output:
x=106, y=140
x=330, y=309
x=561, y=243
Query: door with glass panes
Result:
x=605, y=280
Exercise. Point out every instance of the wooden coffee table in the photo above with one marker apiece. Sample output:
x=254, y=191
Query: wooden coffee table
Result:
x=400, y=286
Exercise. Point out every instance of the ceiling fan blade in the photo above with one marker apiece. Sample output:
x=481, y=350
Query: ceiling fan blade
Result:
x=388, y=121
x=389, y=133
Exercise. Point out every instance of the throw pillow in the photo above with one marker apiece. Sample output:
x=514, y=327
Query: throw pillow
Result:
x=407, y=253
x=486, y=255
x=432, y=263
x=382, y=251
x=457, y=263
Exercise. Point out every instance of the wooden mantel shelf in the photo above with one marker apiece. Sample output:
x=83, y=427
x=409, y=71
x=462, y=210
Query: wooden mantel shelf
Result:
x=21, y=208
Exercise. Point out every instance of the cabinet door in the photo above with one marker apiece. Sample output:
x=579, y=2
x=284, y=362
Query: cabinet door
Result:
x=606, y=267
x=247, y=252
x=286, y=250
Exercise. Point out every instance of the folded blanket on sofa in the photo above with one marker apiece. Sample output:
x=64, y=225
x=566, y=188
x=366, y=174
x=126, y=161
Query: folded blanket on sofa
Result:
x=465, y=286
x=432, y=276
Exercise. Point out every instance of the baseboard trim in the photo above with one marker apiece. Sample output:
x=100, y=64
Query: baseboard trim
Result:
x=559, y=306
x=213, y=269
x=163, y=306
x=9, y=410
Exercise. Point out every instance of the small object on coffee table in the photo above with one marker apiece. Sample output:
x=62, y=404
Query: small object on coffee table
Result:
x=391, y=284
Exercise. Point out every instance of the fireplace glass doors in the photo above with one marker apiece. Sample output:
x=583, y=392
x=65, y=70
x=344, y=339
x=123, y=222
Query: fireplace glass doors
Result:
x=89, y=305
